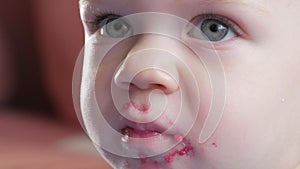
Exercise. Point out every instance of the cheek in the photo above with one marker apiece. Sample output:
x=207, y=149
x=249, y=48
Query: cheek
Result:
x=257, y=123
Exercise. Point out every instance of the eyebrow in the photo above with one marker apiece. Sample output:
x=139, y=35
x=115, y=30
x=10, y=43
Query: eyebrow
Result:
x=247, y=3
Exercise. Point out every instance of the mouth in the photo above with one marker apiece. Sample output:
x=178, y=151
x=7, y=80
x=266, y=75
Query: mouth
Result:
x=148, y=139
x=136, y=133
x=150, y=143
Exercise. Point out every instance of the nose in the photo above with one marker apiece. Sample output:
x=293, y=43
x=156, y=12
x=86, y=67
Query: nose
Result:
x=145, y=77
x=148, y=68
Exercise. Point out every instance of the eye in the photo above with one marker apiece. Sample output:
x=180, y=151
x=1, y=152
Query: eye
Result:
x=114, y=26
x=213, y=28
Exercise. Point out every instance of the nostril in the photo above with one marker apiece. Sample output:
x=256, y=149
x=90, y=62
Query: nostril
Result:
x=152, y=86
x=150, y=79
x=170, y=88
x=159, y=87
x=126, y=84
x=155, y=79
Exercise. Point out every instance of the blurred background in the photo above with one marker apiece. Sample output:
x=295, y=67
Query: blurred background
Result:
x=39, y=43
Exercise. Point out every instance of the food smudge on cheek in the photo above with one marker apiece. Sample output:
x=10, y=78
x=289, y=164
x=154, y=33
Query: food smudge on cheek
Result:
x=214, y=144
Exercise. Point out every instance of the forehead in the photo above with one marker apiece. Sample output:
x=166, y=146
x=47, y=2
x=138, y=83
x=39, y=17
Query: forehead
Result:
x=259, y=5
x=186, y=1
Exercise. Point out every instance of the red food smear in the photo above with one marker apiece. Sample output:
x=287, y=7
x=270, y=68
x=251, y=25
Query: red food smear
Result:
x=184, y=151
x=214, y=144
x=178, y=137
x=143, y=108
x=168, y=121
x=126, y=163
x=143, y=158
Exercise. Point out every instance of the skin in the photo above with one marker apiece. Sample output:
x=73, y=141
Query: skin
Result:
x=260, y=125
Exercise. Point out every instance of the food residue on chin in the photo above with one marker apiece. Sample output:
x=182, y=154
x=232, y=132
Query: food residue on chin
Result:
x=126, y=163
x=181, y=152
x=143, y=158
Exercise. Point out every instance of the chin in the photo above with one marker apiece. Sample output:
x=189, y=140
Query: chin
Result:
x=180, y=156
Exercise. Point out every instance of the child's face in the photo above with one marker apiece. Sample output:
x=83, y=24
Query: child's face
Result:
x=257, y=44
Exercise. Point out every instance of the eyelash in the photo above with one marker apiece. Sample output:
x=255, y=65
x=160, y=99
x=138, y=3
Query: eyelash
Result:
x=97, y=19
x=231, y=24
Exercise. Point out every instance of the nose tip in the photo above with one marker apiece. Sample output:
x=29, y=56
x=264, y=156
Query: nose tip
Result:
x=155, y=79
x=148, y=69
x=149, y=79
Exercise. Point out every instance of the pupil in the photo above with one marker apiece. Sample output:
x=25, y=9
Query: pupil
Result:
x=214, y=28
x=118, y=26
